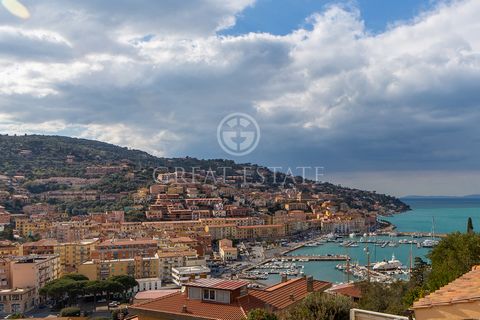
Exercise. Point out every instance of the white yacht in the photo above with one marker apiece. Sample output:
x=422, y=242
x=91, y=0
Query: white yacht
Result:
x=429, y=243
x=388, y=265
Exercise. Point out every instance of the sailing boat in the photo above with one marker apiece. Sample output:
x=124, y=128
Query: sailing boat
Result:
x=430, y=243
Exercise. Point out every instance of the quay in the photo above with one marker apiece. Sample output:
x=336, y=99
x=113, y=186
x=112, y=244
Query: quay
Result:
x=337, y=257
x=420, y=234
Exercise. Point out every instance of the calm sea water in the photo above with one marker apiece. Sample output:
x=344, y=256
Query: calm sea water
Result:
x=449, y=215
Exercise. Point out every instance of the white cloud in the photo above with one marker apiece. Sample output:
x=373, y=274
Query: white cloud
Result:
x=157, y=76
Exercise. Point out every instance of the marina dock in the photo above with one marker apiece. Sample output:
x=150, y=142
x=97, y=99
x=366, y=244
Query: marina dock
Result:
x=339, y=257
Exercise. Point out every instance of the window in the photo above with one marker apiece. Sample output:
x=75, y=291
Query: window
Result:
x=208, y=294
x=16, y=308
x=2, y=307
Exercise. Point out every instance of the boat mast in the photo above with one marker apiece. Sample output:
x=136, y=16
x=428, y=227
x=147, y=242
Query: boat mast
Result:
x=433, y=228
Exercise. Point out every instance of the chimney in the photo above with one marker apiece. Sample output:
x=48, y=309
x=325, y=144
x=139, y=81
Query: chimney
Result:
x=268, y=307
x=284, y=277
x=309, y=284
x=184, y=308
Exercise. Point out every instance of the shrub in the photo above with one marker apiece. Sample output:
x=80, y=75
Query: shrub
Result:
x=70, y=312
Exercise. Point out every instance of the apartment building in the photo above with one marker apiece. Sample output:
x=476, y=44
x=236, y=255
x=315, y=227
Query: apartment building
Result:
x=28, y=227
x=17, y=300
x=227, y=251
x=221, y=231
x=73, y=254
x=5, y=275
x=43, y=246
x=124, y=249
x=9, y=248
x=169, y=259
x=137, y=267
x=34, y=272
x=183, y=275
x=271, y=231
x=343, y=224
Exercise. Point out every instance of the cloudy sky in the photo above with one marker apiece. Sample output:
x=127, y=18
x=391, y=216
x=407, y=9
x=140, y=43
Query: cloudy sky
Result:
x=384, y=94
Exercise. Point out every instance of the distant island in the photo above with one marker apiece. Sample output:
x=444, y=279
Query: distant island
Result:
x=471, y=196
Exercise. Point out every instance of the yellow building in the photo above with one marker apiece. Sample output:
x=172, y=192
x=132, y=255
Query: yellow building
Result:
x=227, y=251
x=137, y=267
x=269, y=231
x=73, y=254
x=221, y=231
x=28, y=227
x=8, y=248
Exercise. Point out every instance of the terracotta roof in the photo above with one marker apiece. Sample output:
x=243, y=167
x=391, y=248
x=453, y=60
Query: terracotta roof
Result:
x=464, y=289
x=347, y=289
x=279, y=296
x=264, y=226
x=176, y=253
x=174, y=304
x=123, y=242
x=218, y=284
x=154, y=294
x=282, y=295
x=42, y=242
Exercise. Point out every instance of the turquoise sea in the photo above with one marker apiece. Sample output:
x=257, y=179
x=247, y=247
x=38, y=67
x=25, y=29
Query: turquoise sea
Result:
x=450, y=215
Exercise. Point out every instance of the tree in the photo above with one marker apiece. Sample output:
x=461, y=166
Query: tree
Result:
x=452, y=257
x=321, y=306
x=65, y=288
x=383, y=297
x=70, y=312
x=128, y=283
x=419, y=273
x=418, y=282
x=261, y=314
x=94, y=287
x=75, y=277
x=111, y=288
x=470, y=225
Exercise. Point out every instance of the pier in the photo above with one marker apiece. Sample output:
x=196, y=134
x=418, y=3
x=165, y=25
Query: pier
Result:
x=420, y=234
x=338, y=257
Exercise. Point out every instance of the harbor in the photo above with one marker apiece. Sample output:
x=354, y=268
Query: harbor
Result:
x=345, y=258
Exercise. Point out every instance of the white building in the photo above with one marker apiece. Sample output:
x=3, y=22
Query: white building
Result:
x=182, y=275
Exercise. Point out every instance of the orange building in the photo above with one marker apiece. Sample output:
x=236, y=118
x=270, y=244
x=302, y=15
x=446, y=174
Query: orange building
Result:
x=124, y=249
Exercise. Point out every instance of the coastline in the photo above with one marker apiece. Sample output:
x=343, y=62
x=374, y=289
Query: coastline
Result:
x=386, y=226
